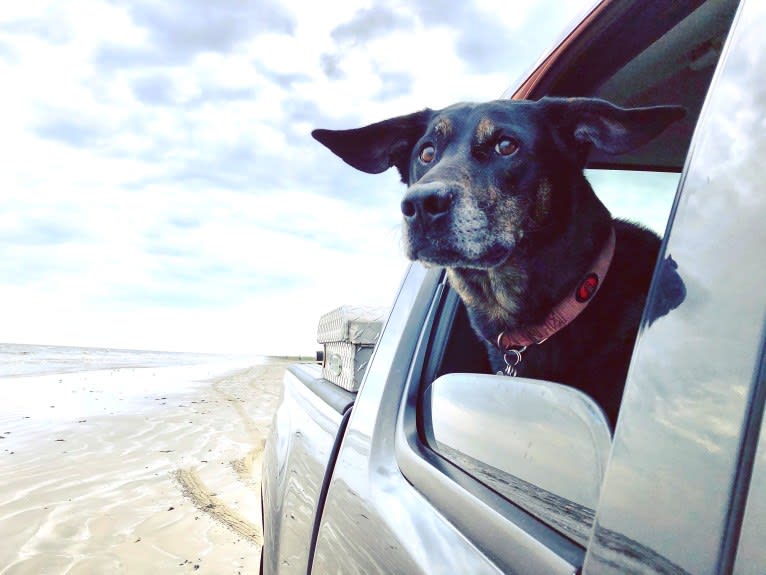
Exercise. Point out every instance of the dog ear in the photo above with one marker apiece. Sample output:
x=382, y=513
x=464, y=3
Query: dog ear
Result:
x=609, y=128
x=377, y=147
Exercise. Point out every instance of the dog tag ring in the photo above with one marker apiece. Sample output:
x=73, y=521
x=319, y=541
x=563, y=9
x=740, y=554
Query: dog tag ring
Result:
x=512, y=358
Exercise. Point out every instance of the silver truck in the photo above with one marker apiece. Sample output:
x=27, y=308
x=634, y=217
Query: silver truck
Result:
x=435, y=466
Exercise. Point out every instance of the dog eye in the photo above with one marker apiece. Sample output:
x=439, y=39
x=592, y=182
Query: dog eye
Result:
x=506, y=146
x=427, y=154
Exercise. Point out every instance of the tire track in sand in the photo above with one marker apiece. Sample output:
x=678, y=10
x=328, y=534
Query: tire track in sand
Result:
x=260, y=379
x=192, y=485
x=244, y=466
x=202, y=498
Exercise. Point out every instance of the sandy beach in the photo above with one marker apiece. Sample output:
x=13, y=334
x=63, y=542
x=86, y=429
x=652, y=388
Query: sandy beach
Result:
x=145, y=470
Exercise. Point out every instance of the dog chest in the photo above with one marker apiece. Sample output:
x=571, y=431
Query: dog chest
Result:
x=349, y=334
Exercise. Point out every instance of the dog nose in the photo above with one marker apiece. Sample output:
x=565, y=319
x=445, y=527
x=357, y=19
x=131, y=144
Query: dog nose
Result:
x=427, y=202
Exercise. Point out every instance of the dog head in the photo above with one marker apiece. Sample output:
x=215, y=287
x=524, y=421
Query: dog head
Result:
x=483, y=177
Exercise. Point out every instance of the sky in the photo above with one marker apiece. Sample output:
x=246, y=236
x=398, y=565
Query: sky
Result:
x=159, y=186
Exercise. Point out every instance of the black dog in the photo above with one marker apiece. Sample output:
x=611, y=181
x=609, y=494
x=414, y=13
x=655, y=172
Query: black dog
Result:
x=497, y=195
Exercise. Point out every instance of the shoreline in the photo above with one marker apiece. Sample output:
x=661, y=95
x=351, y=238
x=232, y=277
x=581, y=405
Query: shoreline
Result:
x=23, y=360
x=167, y=481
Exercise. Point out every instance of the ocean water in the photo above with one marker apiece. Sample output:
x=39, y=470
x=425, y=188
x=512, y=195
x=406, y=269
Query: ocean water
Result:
x=42, y=385
x=18, y=360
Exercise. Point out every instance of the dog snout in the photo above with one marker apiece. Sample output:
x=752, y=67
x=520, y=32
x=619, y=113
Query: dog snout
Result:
x=426, y=203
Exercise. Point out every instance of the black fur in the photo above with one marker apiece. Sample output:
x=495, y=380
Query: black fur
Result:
x=496, y=194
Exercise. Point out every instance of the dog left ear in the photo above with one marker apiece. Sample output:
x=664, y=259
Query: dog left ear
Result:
x=377, y=147
x=608, y=127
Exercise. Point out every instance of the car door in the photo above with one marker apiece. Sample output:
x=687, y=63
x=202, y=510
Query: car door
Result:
x=398, y=502
x=676, y=485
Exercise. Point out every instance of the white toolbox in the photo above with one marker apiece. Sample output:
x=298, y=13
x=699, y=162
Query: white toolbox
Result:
x=349, y=334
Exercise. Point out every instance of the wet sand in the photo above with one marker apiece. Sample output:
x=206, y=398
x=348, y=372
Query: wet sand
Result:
x=138, y=481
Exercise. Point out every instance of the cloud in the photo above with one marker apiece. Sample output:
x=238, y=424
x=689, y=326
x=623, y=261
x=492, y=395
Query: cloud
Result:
x=394, y=84
x=483, y=44
x=498, y=39
x=161, y=187
x=40, y=232
x=183, y=285
x=53, y=27
x=330, y=64
x=433, y=54
x=286, y=81
x=7, y=52
x=154, y=89
x=160, y=89
x=221, y=263
x=78, y=132
x=180, y=30
x=300, y=109
x=374, y=22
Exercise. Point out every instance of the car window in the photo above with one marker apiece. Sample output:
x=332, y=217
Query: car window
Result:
x=642, y=197
x=674, y=65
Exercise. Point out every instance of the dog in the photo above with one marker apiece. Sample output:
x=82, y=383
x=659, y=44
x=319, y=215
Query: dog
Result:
x=496, y=194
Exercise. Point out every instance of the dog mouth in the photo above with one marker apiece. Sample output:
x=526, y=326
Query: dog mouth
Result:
x=463, y=240
x=444, y=256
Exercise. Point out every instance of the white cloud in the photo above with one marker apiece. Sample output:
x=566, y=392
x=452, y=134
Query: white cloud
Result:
x=161, y=189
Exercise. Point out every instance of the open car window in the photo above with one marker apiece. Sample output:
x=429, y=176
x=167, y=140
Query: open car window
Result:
x=658, y=53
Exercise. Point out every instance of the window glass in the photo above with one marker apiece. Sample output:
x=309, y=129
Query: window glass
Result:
x=642, y=197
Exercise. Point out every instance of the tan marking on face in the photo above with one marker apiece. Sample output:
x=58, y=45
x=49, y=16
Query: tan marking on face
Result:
x=495, y=293
x=505, y=210
x=543, y=202
x=484, y=130
x=443, y=127
x=462, y=288
x=493, y=195
x=508, y=283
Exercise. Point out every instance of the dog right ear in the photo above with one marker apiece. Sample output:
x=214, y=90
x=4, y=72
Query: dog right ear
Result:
x=612, y=129
x=377, y=147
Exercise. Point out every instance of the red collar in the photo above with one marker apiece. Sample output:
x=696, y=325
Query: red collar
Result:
x=568, y=309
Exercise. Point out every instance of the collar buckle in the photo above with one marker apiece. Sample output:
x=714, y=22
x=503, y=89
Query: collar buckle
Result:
x=512, y=357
